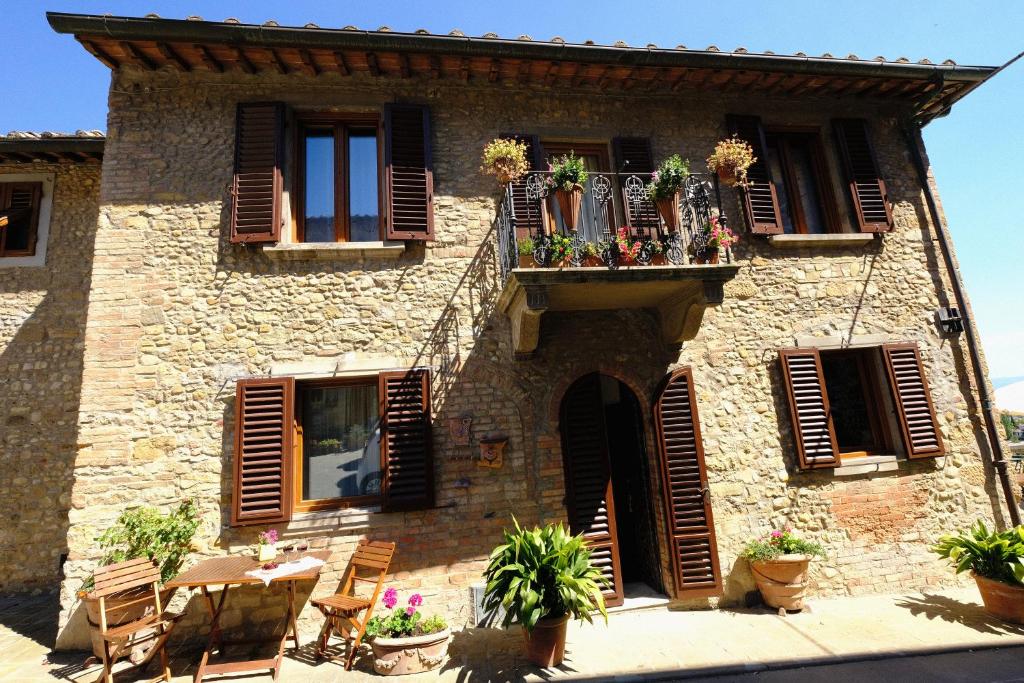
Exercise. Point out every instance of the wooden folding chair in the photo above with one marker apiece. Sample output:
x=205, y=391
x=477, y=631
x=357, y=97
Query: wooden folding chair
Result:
x=135, y=583
x=342, y=609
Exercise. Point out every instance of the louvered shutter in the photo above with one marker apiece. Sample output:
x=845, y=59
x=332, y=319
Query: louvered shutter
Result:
x=633, y=155
x=258, y=183
x=813, y=430
x=19, y=209
x=410, y=172
x=406, y=440
x=590, y=502
x=264, y=429
x=529, y=216
x=691, y=525
x=914, y=408
x=760, y=201
x=867, y=189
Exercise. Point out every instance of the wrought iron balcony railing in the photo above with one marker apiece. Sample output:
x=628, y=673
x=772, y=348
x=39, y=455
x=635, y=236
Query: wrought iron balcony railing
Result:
x=616, y=215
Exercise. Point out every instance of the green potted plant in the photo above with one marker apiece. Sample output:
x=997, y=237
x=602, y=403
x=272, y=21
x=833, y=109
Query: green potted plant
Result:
x=525, y=247
x=779, y=563
x=141, y=532
x=716, y=237
x=505, y=159
x=562, y=250
x=542, y=578
x=996, y=561
x=731, y=159
x=666, y=182
x=592, y=254
x=568, y=176
x=404, y=642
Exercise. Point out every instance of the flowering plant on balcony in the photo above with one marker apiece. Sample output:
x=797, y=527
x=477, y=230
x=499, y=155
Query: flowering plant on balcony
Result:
x=506, y=159
x=403, y=621
x=780, y=542
x=669, y=178
x=629, y=246
x=567, y=173
x=717, y=235
x=561, y=248
x=731, y=160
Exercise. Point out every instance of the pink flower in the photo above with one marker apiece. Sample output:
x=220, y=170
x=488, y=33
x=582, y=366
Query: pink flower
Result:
x=776, y=534
x=410, y=610
x=415, y=599
x=390, y=598
x=269, y=537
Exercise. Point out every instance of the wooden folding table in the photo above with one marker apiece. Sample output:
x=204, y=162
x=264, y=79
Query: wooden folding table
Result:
x=231, y=571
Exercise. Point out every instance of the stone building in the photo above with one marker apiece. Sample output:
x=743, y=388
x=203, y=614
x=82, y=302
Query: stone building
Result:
x=301, y=305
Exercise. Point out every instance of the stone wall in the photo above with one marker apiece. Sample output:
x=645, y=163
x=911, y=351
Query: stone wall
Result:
x=178, y=314
x=42, y=322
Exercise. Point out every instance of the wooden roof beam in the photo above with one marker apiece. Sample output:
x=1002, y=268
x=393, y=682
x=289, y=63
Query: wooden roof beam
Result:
x=172, y=57
x=435, y=66
x=19, y=157
x=372, y=64
x=340, y=63
x=604, y=78
x=208, y=60
x=243, y=61
x=308, y=63
x=524, y=71
x=580, y=75
x=403, y=65
x=681, y=80
x=552, y=74
x=464, y=69
x=100, y=54
x=138, y=55
x=630, y=81
x=495, y=71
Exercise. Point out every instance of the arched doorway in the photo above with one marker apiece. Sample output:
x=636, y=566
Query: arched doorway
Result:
x=607, y=482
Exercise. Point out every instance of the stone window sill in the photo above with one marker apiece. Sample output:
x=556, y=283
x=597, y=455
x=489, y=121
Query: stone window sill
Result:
x=868, y=465
x=836, y=240
x=346, y=518
x=339, y=251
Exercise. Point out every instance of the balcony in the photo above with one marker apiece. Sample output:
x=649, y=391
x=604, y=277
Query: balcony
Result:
x=622, y=254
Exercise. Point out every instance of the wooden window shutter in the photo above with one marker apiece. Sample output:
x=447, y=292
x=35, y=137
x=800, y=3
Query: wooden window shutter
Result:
x=633, y=155
x=813, y=430
x=406, y=440
x=914, y=409
x=691, y=526
x=410, y=172
x=529, y=218
x=264, y=429
x=19, y=210
x=867, y=189
x=760, y=201
x=258, y=183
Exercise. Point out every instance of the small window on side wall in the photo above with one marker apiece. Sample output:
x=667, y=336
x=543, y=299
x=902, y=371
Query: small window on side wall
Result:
x=19, y=218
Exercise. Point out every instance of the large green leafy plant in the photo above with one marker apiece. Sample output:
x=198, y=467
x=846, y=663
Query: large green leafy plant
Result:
x=147, y=532
x=543, y=572
x=996, y=555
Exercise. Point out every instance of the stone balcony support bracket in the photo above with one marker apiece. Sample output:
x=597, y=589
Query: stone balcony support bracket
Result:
x=679, y=294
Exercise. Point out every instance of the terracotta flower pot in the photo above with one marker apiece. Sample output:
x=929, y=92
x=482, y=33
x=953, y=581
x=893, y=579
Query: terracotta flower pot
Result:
x=411, y=655
x=1001, y=599
x=592, y=261
x=668, y=207
x=727, y=174
x=707, y=255
x=527, y=261
x=782, y=581
x=545, y=645
x=659, y=260
x=569, y=203
x=121, y=609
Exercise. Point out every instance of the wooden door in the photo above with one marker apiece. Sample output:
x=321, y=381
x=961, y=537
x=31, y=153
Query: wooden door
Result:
x=691, y=527
x=588, y=483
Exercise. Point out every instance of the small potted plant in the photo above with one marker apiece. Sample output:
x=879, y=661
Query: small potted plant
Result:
x=592, y=255
x=266, y=545
x=731, y=159
x=629, y=246
x=141, y=532
x=716, y=237
x=525, y=247
x=562, y=250
x=505, y=159
x=666, y=182
x=779, y=562
x=568, y=176
x=541, y=578
x=404, y=642
x=996, y=561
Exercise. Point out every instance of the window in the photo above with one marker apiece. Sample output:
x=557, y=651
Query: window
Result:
x=339, y=439
x=340, y=179
x=19, y=218
x=796, y=162
x=851, y=382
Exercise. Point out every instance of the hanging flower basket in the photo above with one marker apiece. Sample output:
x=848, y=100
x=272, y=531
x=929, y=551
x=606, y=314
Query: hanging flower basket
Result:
x=569, y=203
x=668, y=207
x=727, y=174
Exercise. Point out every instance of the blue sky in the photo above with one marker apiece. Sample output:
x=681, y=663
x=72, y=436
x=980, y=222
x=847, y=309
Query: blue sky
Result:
x=49, y=82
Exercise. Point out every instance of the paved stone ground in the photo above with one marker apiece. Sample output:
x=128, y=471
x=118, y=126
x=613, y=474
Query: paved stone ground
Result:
x=656, y=643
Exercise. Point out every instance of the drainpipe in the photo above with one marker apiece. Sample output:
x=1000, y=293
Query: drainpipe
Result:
x=916, y=144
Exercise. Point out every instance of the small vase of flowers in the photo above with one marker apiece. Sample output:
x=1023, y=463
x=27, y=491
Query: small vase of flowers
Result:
x=716, y=237
x=731, y=159
x=404, y=642
x=568, y=176
x=664, y=189
x=266, y=545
